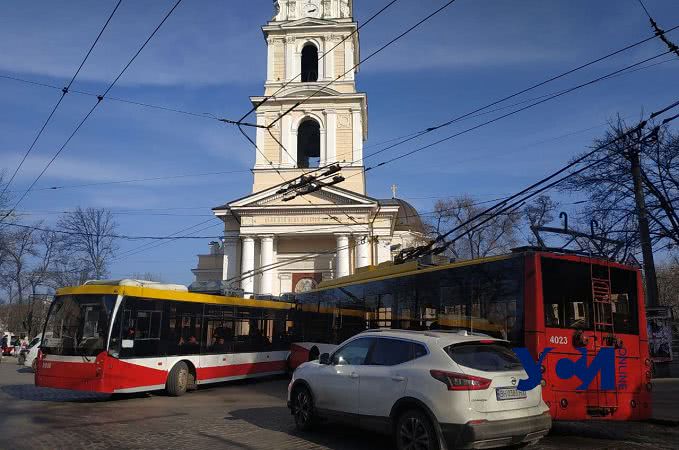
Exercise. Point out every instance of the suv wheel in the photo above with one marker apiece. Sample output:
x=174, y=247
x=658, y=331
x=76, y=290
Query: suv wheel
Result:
x=414, y=431
x=303, y=408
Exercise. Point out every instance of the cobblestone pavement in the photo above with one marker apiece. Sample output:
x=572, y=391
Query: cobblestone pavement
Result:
x=243, y=415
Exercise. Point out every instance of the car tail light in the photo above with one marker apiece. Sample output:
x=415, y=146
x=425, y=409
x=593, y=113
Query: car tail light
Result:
x=476, y=422
x=460, y=382
x=486, y=341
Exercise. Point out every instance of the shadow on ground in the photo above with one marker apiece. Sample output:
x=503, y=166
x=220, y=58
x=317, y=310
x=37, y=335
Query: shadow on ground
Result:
x=333, y=436
x=38, y=394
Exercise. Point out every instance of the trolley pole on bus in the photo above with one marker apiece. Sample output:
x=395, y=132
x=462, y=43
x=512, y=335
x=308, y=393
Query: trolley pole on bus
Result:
x=644, y=232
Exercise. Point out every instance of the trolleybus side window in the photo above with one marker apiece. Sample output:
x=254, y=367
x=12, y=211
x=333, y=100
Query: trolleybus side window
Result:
x=487, y=298
x=218, y=330
x=624, y=299
x=567, y=293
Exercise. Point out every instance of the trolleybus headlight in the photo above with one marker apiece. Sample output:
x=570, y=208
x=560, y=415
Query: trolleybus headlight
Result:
x=633, y=403
x=543, y=383
x=648, y=374
x=543, y=369
x=564, y=403
x=648, y=362
x=649, y=386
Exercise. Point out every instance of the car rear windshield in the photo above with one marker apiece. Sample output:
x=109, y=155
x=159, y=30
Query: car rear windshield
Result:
x=495, y=357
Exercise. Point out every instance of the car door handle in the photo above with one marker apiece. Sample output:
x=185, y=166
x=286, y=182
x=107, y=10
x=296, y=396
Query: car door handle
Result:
x=353, y=375
x=398, y=378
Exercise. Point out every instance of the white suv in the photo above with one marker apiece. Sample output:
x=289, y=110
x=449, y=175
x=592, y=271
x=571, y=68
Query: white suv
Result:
x=431, y=389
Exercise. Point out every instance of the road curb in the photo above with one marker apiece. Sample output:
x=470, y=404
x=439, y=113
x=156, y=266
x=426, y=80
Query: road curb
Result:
x=663, y=422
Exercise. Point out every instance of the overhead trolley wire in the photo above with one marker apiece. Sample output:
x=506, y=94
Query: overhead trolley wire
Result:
x=64, y=91
x=511, y=113
x=414, y=135
x=659, y=31
x=205, y=115
x=565, y=168
x=94, y=107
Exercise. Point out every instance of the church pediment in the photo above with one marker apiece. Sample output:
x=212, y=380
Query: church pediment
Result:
x=308, y=90
x=308, y=22
x=328, y=196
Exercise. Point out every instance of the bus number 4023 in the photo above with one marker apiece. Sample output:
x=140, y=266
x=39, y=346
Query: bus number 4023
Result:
x=563, y=340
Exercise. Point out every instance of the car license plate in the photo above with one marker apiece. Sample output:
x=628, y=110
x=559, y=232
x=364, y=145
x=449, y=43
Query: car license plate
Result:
x=509, y=393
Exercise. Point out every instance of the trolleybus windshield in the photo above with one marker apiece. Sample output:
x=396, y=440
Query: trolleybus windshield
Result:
x=77, y=325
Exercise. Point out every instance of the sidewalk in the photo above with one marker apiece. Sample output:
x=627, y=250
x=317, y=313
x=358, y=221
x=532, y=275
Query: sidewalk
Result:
x=665, y=396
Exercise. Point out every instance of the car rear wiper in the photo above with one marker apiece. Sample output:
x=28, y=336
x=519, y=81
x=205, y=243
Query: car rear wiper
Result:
x=513, y=366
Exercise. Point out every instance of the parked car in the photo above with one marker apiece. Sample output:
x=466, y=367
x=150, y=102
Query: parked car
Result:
x=29, y=355
x=429, y=389
x=9, y=345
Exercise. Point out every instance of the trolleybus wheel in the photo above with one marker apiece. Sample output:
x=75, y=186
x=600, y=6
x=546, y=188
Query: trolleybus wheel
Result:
x=178, y=380
x=314, y=353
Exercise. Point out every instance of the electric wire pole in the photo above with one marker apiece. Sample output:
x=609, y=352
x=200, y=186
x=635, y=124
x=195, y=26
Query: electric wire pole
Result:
x=644, y=231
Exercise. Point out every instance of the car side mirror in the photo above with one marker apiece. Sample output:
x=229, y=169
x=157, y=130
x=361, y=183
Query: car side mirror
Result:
x=324, y=358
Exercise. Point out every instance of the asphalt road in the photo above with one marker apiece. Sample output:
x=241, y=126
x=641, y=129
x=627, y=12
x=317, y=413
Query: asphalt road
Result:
x=242, y=415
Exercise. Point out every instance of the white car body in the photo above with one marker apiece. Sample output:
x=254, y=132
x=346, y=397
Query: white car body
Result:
x=33, y=349
x=373, y=395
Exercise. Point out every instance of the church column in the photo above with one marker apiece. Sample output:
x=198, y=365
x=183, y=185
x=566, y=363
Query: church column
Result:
x=331, y=136
x=260, y=161
x=321, y=65
x=324, y=147
x=292, y=148
x=270, y=59
x=342, y=260
x=230, y=264
x=349, y=58
x=248, y=265
x=362, y=251
x=266, y=287
x=358, y=137
x=286, y=137
x=383, y=249
x=290, y=58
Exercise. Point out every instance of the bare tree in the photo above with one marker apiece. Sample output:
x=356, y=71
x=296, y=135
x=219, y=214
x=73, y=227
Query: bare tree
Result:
x=147, y=276
x=91, y=235
x=610, y=187
x=496, y=236
x=668, y=286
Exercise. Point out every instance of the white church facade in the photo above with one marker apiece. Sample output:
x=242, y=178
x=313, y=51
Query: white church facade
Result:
x=274, y=244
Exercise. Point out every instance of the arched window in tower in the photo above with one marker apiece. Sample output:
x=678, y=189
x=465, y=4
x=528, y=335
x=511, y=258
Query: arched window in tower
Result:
x=309, y=63
x=308, y=144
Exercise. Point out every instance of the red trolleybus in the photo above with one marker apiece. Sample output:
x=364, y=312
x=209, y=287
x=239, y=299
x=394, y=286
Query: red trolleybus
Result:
x=532, y=298
x=130, y=336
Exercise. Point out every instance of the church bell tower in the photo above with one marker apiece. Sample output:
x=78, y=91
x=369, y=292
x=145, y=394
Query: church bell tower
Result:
x=311, y=117
x=312, y=48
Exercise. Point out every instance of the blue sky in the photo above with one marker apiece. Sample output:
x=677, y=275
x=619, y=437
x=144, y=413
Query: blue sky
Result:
x=210, y=56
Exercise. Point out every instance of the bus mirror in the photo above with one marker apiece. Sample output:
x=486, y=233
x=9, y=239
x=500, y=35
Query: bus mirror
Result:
x=324, y=358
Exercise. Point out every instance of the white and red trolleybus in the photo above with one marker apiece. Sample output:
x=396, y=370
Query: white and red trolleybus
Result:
x=132, y=336
x=532, y=298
